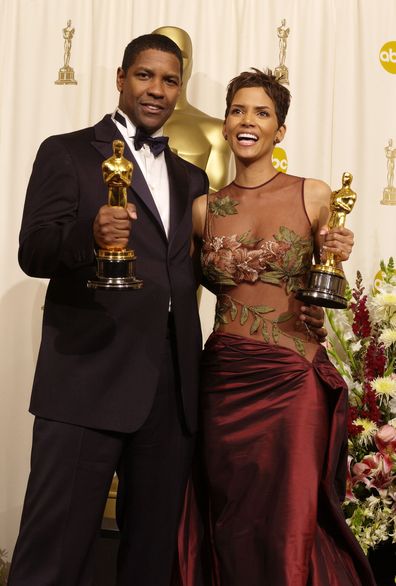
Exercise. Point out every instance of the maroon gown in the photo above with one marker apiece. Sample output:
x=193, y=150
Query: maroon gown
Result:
x=264, y=508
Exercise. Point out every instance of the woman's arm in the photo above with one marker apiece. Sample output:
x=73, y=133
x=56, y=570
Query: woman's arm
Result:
x=198, y=224
x=338, y=241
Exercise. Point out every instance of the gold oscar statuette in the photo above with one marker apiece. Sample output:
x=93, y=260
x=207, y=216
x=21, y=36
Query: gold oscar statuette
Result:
x=281, y=72
x=389, y=192
x=66, y=73
x=115, y=268
x=326, y=282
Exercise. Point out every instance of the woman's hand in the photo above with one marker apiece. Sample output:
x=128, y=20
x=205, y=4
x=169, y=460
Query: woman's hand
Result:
x=339, y=241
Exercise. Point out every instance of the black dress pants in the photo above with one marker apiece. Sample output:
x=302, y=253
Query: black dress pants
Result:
x=71, y=472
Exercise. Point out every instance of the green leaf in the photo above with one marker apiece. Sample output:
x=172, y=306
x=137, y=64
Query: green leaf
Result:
x=222, y=319
x=255, y=325
x=244, y=315
x=275, y=333
x=299, y=346
x=264, y=331
x=223, y=206
x=247, y=239
x=233, y=311
x=272, y=277
x=262, y=309
x=212, y=274
x=283, y=317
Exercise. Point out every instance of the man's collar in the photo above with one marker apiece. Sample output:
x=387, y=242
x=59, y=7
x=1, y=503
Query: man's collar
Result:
x=123, y=119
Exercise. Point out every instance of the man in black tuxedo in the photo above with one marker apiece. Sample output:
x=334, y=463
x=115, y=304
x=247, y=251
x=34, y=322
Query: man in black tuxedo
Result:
x=116, y=380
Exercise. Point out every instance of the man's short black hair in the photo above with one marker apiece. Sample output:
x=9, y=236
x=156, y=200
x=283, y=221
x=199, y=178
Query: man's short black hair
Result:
x=150, y=41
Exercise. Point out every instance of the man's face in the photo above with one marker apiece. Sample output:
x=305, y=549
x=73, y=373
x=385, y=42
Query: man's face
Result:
x=149, y=89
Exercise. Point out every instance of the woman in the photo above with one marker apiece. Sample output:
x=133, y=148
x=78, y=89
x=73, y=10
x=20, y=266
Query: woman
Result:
x=273, y=407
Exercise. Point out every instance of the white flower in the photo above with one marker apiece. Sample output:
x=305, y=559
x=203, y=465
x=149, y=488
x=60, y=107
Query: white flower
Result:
x=356, y=346
x=355, y=391
x=369, y=430
x=392, y=406
x=382, y=306
x=384, y=387
x=388, y=337
x=343, y=323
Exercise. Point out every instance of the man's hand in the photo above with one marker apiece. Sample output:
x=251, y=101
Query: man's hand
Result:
x=313, y=318
x=112, y=226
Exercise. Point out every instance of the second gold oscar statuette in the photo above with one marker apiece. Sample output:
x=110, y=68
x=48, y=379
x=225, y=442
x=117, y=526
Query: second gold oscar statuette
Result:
x=327, y=283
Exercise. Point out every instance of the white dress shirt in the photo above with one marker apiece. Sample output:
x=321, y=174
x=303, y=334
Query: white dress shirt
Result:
x=153, y=168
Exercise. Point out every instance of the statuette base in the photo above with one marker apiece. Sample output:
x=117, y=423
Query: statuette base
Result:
x=115, y=270
x=389, y=196
x=282, y=74
x=66, y=76
x=326, y=287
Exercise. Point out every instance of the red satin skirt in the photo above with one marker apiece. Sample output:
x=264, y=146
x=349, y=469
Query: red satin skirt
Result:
x=264, y=508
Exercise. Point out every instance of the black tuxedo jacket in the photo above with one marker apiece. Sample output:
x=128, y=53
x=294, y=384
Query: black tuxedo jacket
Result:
x=99, y=358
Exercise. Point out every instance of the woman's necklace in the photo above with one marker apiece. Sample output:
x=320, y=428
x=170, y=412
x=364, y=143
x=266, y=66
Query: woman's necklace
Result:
x=256, y=186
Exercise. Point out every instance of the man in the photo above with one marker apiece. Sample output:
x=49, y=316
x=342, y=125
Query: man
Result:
x=117, y=374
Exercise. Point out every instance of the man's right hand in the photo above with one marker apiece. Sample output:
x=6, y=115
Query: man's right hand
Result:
x=112, y=226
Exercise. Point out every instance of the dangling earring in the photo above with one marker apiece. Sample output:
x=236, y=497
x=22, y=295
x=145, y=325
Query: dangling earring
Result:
x=276, y=140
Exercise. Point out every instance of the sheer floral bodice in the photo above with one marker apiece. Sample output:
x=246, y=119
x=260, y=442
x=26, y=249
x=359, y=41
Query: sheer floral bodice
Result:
x=256, y=252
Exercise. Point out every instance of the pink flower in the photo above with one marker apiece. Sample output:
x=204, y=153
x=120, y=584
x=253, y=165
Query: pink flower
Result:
x=248, y=264
x=349, y=492
x=385, y=439
x=375, y=471
x=218, y=251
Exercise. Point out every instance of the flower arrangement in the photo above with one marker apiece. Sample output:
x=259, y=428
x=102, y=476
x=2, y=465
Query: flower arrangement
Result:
x=362, y=346
x=4, y=567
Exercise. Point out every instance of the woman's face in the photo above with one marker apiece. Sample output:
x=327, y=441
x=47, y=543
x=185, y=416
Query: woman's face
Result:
x=251, y=126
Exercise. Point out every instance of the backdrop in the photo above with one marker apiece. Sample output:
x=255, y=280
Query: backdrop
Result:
x=341, y=56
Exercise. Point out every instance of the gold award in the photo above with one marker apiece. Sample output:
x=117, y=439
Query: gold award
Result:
x=115, y=266
x=389, y=193
x=326, y=282
x=66, y=73
x=281, y=72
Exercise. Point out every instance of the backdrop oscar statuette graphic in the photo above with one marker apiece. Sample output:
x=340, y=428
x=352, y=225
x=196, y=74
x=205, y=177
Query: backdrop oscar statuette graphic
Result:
x=389, y=192
x=326, y=282
x=281, y=72
x=66, y=73
x=115, y=266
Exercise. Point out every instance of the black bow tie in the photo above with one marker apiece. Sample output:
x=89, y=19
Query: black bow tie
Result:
x=156, y=145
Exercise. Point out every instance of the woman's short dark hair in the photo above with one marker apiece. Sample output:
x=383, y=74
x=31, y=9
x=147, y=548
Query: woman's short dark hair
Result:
x=150, y=41
x=278, y=93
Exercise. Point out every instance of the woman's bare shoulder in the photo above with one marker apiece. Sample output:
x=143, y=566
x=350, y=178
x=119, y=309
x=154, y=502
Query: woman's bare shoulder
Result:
x=317, y=190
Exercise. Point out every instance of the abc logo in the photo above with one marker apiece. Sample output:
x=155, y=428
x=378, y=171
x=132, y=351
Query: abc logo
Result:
x=388, y=56
x=279, y=159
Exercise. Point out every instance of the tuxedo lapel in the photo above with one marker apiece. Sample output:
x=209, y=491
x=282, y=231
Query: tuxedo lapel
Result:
x=105, y=132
